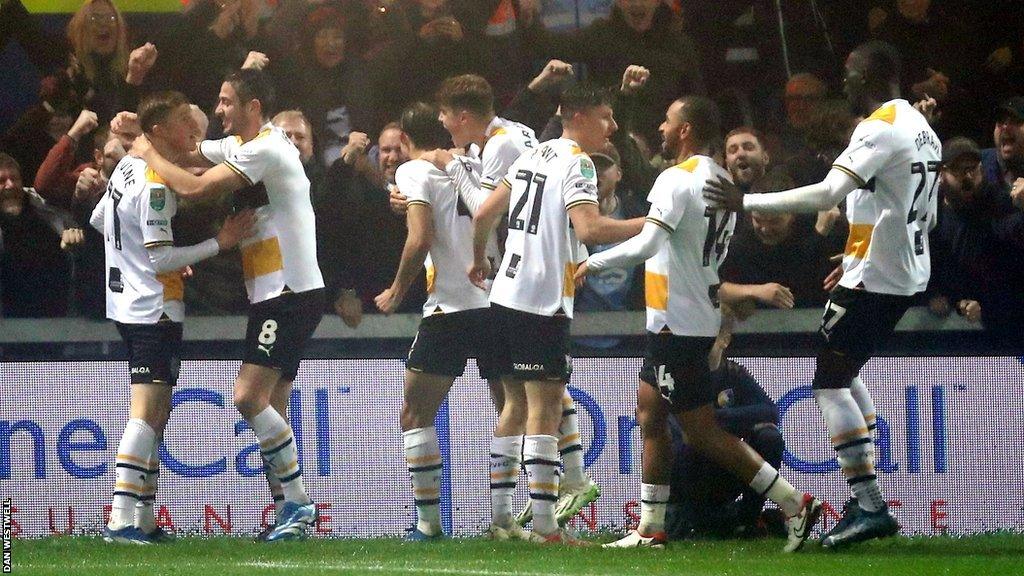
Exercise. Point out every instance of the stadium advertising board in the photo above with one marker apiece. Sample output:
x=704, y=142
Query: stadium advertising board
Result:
x=948, y=442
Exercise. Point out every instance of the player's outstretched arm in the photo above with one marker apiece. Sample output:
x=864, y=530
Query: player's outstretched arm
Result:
x=217, y=180
x=593, y=228
x=629, y=253
x=769, y=294
x=824, y=195
x=484, y=222
x=420, y=223
x=236, y=228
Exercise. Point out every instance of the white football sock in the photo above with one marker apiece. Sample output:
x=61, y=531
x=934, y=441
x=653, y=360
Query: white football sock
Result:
x=423, y=458
x=277, y=445
x=540, y=457
x=131, y=467
x=653, y=502
x=506, y=455
x=570, y=447
x=853, y=445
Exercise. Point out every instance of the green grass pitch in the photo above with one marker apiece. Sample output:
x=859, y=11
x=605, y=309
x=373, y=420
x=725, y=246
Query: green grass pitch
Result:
x=995, y=554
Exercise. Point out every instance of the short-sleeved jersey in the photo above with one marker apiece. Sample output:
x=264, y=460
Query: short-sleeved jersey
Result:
x=136, y=213
x=281, y=255
x=506, y=142
x=894, y=156
x=541, y=250
x=451, y=252
x=681, y=279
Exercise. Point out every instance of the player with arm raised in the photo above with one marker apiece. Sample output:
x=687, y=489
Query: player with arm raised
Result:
x=532, y=295
x=887, y=175
x=260, y=165
x=144, y=299
x=683, y=243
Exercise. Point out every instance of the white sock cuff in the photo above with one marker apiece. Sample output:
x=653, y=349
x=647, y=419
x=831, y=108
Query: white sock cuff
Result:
x=419, y=437
x=654, y=493
x=144, y=431
x=508, y=446
x=763, y=480
x=540, y=446
x=268, y=419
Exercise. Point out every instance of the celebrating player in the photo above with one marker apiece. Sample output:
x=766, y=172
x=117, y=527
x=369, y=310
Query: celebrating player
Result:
x=144, y=291
x=262, y=167
x=455, y=315
x=532, y=294
x=683, y=242
x=888, y=175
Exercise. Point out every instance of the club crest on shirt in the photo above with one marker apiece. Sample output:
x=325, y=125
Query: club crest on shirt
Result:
x=587, y=168
x=157, y=198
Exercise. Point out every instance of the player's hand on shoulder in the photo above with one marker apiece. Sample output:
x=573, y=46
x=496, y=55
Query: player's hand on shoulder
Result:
x=774, y=294
x=399, y=202
x=634, y=78
x=236, y=228
x=71, y=239
x=721, y=193
x=140, y=146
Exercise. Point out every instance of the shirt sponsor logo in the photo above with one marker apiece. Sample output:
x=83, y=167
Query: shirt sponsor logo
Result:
x=156, y=222
x=525, y=366
x=140, y=370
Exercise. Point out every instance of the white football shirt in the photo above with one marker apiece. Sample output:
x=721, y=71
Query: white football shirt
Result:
x=894, y=156
x=282, y=254
x=541, y=251
x=451, y=252
x=681, y=279
x=134, y=215
x=506, y=142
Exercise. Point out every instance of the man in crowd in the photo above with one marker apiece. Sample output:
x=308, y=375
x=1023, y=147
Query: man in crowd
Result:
x=1004, y=163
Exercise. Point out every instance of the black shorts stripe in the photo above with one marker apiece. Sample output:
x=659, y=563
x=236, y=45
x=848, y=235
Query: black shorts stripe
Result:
x=548, y=497
x=132, y=467
x=660, y=224
x=859, y=479
x=541, y=461
x=269, y=453
x=496, y=485
x=427, y=468
x=291, y=477
x=860, y=181
x=853, y=443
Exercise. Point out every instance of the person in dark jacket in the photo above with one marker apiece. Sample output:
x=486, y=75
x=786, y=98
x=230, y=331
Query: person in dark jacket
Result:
x=976, y=247
x=707, y=499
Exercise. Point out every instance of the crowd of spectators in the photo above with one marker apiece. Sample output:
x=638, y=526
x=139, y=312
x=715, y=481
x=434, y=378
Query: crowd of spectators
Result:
x=343, y=70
